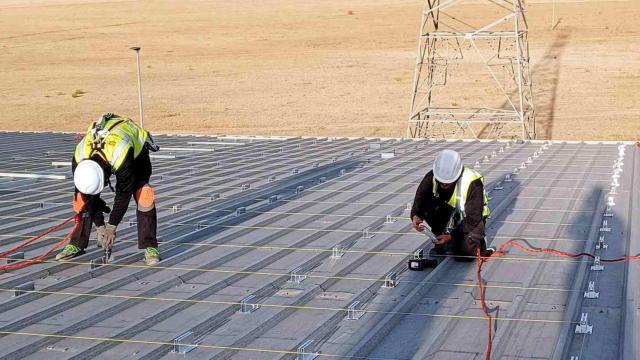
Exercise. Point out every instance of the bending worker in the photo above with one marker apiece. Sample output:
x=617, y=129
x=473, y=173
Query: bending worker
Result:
x=452, y=200
x=113, y=145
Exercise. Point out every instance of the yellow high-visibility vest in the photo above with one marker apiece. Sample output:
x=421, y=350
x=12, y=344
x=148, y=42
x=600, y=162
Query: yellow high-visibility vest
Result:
x=462, y=190
x=118, y=136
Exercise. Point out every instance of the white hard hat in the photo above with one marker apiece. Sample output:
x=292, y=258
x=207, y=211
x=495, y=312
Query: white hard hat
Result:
x=89, y=177
x=447, y=167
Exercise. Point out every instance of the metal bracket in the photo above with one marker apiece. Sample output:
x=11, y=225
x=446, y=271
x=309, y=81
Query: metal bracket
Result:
x=355, y=311
x=273, y=199
x=297, y=275
x=600, y=245
x=390, y=219
x=584, y=327
x=96, y=263
x=390, y=280
x=610, y=201
x=337, y=252
x=248, y=306
x=596, y=264
x=591, y=293
x=184, y=343
x=240, y=211
x=303, y=354
x=366, y=234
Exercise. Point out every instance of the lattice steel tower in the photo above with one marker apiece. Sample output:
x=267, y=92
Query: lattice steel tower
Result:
x=472, y=77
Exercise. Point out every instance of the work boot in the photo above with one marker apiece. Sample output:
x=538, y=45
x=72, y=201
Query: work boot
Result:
x=69, y=252
x=151, y=256
x=488, y=252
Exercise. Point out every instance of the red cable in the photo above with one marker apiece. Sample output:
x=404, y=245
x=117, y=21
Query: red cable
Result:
x=501, y=252
x=39, y=258
x=485, y=309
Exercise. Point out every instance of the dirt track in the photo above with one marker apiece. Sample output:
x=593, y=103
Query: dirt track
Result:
x=291, y=67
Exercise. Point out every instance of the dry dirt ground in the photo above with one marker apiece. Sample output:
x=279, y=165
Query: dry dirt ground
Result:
x=292, y=67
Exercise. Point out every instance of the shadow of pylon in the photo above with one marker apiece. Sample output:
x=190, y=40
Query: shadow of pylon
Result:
x=545, y=77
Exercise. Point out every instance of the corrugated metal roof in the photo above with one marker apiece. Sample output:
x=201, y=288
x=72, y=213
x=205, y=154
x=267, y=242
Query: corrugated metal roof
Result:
x=321, y=223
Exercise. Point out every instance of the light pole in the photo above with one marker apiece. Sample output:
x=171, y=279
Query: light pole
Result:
x=137, y=50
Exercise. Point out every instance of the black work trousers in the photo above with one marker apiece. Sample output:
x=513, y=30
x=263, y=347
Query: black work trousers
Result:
x=466, y=247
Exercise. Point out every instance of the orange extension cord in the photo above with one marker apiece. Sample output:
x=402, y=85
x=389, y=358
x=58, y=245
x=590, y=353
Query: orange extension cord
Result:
x=39, y=258
x=501, y=252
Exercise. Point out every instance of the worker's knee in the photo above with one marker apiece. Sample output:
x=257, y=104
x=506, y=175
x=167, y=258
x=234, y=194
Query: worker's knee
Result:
x=145, y=198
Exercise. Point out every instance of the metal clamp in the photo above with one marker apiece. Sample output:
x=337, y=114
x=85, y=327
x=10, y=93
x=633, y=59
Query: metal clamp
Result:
x=596, y=264
x=591, y=293
x=390, y=280
x=248, y=306
x=184, y=343
x=337, y=252
x=297, y=275
x=366, y=234
x=584, y=327
x=303, y=354
x=355, y=311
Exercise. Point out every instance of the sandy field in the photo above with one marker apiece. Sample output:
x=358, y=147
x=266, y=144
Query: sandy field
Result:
x=292, y=67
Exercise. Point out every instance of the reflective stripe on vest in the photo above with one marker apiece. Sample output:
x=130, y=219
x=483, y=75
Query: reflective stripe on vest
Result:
x=116, y=143
x=462, y=190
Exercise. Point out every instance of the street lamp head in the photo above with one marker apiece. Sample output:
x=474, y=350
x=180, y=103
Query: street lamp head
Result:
x=135, y=48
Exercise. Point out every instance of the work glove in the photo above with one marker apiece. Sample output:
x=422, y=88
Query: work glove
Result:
x=100, y=230
x=109, y=236
x=106, y=236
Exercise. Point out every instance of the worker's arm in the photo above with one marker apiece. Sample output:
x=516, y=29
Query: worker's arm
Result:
x=473, y=224
x=422, y=201
x=125, y=182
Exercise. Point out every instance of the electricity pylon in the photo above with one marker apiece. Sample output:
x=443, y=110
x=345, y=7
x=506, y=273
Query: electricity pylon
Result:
x=472, y=77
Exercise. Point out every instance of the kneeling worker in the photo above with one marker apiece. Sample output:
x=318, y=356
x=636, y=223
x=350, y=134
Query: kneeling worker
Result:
x=113, y=145
x=452, y=200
